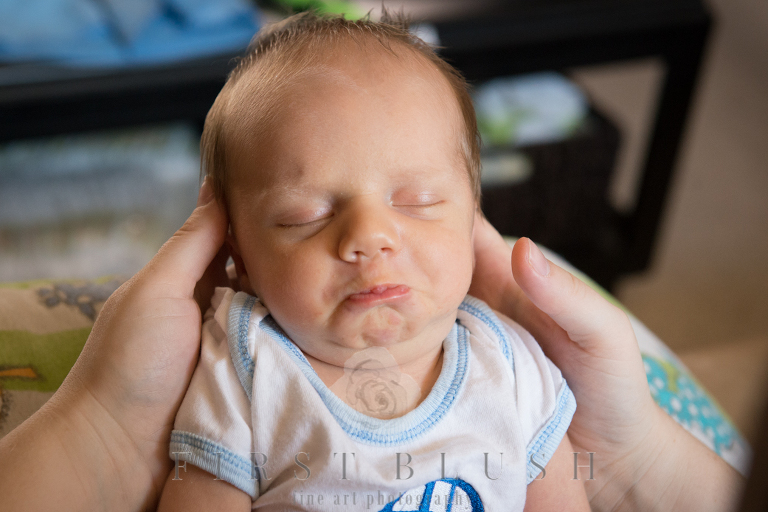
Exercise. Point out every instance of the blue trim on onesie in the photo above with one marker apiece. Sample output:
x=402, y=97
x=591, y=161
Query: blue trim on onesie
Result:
x=228, y=466
x=237, y=338
x=482, y=312
x=380, y=432
x=543, y=446
x=392, y=432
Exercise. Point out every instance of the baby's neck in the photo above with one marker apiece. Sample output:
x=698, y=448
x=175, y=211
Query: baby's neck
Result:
x=372, y=382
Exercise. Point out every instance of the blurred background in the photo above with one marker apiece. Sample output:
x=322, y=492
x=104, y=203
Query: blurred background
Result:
x=628, y=135
x=706, y=291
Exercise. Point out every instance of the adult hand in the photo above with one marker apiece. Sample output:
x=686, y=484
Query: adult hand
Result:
x=643, y=460
x=101, y=441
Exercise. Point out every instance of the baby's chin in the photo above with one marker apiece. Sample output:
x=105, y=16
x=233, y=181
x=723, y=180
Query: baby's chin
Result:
x=403, y=336
x=381, y=327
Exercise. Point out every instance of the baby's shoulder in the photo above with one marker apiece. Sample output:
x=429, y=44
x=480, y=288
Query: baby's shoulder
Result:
x=473, y=312
x=490, y=325
x=492, y=330
x=229, y=306
x=236, y=319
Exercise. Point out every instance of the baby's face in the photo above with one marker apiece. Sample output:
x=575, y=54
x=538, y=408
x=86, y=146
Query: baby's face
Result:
x=353, y=218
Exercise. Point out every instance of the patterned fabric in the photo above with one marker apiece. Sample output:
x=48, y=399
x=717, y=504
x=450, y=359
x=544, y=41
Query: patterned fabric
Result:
x=685, y=401
x=43, y=327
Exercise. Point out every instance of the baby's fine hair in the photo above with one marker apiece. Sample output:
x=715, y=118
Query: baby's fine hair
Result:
x=285, y=49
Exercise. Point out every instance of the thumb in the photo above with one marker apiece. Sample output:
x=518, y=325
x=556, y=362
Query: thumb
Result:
x=182, y=260
x=587, y=318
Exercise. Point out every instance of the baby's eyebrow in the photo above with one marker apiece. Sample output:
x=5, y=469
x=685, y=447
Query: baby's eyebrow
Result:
x=277, y=195
x=297, y=190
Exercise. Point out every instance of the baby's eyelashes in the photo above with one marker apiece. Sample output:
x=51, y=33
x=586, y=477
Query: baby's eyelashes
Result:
x=404, y=199
x=305, y=223
x=417, y=205
x=420, y=209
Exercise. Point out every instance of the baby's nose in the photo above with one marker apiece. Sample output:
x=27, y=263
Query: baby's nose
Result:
x=368, y=232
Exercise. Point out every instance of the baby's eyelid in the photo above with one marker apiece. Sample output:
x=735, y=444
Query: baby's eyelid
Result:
x=306, y=223
x=419, y=203
x=415, y=198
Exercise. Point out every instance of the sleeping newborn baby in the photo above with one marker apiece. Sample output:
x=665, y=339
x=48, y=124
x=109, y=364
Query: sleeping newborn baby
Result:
x=353, y=371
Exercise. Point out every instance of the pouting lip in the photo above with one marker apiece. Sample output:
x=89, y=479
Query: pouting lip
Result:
x=379, y=293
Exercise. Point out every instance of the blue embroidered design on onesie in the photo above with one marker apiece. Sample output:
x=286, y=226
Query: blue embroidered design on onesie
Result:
x=438, y=496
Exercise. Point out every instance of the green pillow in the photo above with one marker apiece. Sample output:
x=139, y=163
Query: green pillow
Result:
x=43, y=327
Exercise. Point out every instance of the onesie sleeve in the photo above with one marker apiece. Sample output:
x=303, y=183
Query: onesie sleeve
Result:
x=545, y=402
x=212, y=429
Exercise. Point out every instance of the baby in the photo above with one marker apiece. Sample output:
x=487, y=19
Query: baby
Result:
x=352, y=371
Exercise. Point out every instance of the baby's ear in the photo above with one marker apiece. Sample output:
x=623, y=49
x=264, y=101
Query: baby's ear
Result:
x=244, y=283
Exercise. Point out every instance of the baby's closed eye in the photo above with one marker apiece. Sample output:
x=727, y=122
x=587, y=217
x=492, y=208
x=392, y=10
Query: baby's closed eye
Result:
x=406, y=197
x=417, y=203
x=304, y=218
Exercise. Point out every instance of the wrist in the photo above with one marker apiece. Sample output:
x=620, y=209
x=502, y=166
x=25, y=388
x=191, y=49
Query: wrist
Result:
x=628, y=482
x=109, y=459
x=84, y=459
x=669, y=470
x=658, y=468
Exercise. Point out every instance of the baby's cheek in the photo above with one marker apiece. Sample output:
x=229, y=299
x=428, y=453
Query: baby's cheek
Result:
x=452, y=273
x=460, y=286
x=296, y=283
x=464, y=268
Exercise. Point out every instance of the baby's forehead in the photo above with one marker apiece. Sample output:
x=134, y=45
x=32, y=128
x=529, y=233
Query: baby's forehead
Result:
x=274, y=81
x=262, y=104
x=259, y=100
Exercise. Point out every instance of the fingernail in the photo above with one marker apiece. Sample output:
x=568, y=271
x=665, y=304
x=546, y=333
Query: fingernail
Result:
x=537, y=260
x=206, y=192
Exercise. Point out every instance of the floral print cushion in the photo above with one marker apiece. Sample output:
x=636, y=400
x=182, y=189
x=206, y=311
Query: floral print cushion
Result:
x=43, y=327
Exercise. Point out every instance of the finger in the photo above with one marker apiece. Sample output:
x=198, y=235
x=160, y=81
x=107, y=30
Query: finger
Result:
x=182, y=261
x=587, y=318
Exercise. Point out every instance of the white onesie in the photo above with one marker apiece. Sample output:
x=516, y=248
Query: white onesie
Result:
x=258, y=416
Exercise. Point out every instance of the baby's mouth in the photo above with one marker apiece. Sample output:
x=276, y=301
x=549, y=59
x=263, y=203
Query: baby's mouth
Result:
x=379, y=294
